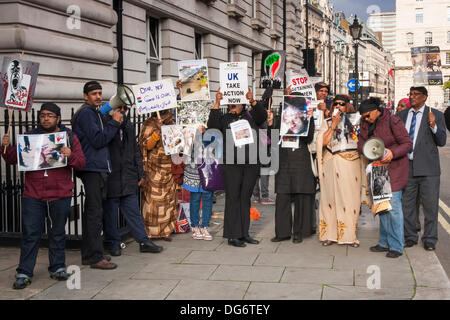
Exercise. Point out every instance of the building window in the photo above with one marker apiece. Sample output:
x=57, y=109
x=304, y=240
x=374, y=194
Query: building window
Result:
x=271, y=14
x=153, y=50
x=198, y=46
x=410, y=38
x=447, y=58
x=428, y=38
x=419, y=15
x=254, y=8
x=448, y=14
x=231, y=53
x=254, y=75
x=448, y=36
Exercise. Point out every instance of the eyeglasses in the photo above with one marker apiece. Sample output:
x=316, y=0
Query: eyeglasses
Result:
x=47, y=115
x=342, y=104
x=366, y=116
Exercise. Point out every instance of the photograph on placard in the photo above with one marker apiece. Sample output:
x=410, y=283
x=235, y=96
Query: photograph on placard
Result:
x=426, y=64
x=380, y=184
x=294, y=116
x=18, y=79
x=345, y=137
x=241, y=132
x=193, y=75
x=173, y=139
x=233, y=82
x=194, y=112
x=41, y=151
x=272, y=68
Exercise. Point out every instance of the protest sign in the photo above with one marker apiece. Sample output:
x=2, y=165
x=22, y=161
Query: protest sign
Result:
x=426, y=63
x=345, y=137
x=301, y=83
x=178, y=139
x=379, y=182
x=194, y=112
x=193, y=75
x=272, y=68
x=233, y=82
x=294, y=117
x=18, y=79
x=241, y=132
x=155, y=96
x=41, y=151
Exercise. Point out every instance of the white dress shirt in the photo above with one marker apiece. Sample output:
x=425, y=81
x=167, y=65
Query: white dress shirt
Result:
x=417, y=127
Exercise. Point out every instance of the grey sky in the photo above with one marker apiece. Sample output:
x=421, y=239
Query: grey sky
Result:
x=361, y=7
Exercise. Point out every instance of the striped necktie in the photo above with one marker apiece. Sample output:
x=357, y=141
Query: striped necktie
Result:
x=412, y=128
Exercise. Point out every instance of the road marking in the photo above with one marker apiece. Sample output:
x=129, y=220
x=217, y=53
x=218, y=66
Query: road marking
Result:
x=441, y=219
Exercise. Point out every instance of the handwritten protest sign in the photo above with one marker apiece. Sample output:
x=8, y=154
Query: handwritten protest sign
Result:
x=155, y=96
x=233, y=82
x=301, y=83
x=18, y=82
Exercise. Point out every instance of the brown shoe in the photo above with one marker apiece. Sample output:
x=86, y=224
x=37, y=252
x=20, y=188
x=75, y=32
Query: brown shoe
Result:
x=167, y=239
x=104, y=265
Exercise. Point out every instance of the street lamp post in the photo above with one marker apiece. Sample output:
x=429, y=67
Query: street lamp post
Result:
x=355, y=31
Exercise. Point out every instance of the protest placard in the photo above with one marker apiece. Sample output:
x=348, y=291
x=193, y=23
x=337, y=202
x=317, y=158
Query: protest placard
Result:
x=345, y=137
x=272, y=68
x=241, y=132
x=155, y=96
x=194, y=112
x=233, y=82
x=178, y=139
x=193, y=75
x=379, y=182
x=41, y=151
x=301, y=83
x=426, y=63
x=294, y=117
x=18, y=83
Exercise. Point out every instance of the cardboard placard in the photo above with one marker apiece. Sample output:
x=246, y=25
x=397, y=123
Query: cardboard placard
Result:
x=194, y=112
x=18, y=83
x=155, y=96
x=426, y=63
x=41, y=151
x=233, y=82
x=301, y=83
x=345, y=137
x=194, y=80
x=294, y=117
x=272, y=68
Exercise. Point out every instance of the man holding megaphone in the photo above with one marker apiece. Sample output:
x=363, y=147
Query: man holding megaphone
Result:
x=377, y=122
x=95, y=136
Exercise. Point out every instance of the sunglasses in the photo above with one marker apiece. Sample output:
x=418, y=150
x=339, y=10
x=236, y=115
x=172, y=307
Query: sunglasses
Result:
x=342, y=104
x=232, y=106
x=366, y=116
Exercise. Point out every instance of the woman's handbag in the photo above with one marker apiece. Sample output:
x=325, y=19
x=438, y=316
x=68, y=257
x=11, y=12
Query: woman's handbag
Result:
x=211, y=175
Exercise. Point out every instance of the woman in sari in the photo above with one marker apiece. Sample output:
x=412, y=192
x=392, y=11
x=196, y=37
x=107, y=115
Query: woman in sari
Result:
x=340, y=181
x=159, y=190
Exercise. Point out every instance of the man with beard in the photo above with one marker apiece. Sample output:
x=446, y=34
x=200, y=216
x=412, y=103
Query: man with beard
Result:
x=124, y=181
x=47, y=193
x=94, y=137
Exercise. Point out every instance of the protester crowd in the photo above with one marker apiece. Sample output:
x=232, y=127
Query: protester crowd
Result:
x=114, y=167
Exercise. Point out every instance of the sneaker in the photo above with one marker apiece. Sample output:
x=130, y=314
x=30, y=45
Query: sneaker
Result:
x=267, y=201
x=60, y=275
x=196, y=233
x=256, y=199
x=393, y=254
x=205, y=234
x=21, y=283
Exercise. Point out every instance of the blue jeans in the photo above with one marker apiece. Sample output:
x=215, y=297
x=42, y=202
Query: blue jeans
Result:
x=34, y=213
x=391, y=225
x=194, y=208
x=129, y=207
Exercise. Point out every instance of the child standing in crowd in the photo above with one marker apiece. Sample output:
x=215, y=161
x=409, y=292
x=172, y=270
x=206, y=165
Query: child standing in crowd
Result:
x=192, y=183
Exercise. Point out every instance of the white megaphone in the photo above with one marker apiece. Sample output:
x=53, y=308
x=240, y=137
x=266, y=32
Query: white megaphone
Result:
x=124, y=95
x=373, y=149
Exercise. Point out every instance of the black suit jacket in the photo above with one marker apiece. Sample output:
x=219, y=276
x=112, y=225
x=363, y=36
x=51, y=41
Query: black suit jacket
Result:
x=426, y=155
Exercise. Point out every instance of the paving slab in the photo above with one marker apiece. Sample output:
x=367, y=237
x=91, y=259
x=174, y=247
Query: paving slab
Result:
x=388, y=279
x=318, y=276
x=89, y=289
x=175, y=271
x=137, y=290
x=236, y=257
x=247, y=273
x=265, y=245
x=424, y=293
x=209, y=290
x=311, y=245
x=283, y=291
x=363, y=293
x=361, y=262
x=295, y=259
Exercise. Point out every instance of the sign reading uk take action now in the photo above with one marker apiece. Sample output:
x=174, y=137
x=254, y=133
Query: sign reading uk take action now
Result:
x=233, y=82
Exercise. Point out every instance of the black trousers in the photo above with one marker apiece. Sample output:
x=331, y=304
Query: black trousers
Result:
x=426, y=189
x=95, y=189
x=239, y=179
x=304, y=207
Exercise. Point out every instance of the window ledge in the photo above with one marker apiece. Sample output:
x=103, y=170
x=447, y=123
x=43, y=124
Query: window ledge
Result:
x=258, y=24
x=275, y=34
x=236, y=11
x=208, y=2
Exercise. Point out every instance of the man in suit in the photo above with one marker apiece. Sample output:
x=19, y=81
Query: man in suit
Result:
x=426, y=127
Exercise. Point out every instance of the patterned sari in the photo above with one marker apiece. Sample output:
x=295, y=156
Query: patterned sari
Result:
x=159, y=190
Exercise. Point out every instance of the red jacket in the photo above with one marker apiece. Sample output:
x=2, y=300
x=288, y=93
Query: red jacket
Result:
x=57, y=183
x=397, y=140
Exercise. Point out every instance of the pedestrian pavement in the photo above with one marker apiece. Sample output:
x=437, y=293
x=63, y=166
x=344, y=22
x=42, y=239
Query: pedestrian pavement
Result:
x=190, y=269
